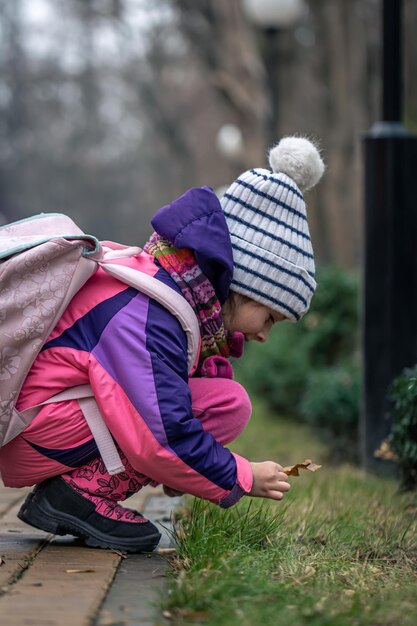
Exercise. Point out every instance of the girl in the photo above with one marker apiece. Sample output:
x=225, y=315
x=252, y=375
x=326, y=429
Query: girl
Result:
x=243, y=264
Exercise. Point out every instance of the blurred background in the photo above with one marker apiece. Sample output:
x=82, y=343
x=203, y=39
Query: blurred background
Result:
x=110, y=109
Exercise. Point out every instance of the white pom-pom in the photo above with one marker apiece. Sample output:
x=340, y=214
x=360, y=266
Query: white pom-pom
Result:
x=299, y=159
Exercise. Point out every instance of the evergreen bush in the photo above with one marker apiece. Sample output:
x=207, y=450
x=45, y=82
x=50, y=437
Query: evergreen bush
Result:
x=330, y=404
x=403, y=438
x=310, y=369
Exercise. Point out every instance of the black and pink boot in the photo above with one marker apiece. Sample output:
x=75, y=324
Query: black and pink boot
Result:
x=84, y=503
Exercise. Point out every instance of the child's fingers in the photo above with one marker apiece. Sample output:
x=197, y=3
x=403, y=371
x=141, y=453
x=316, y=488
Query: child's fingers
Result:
x=283, y=486
x=278, y=489
x=269, y=480
x=283, y=477
x=273, y=494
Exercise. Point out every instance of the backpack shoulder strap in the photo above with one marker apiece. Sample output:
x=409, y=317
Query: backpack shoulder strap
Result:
x=170, y=299
x=89, y=407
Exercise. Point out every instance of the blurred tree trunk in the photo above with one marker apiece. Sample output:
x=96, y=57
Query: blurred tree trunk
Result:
x=329, y=86
x=117, y=110
x=352, y=106
x=225, y=47
x=14, y=113
x=348, y=107
x=327, y=89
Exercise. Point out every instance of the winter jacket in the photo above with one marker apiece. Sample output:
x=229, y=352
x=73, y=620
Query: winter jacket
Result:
x=133, y=353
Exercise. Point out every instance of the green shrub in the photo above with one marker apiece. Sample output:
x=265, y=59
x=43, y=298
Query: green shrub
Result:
x=331, y=326
x=330, y=404
x=294, y=372
x=277, y=370
x=403, y=438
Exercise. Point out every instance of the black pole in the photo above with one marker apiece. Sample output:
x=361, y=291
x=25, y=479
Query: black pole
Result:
x=389, y=320
x=392, y=61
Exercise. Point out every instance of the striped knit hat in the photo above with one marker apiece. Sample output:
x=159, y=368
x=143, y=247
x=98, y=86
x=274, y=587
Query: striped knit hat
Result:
x=267, y=220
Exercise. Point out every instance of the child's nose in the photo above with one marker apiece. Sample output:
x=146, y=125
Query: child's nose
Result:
x=262, y=336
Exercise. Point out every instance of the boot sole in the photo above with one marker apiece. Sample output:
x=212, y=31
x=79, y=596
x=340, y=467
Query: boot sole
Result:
x=45, y=517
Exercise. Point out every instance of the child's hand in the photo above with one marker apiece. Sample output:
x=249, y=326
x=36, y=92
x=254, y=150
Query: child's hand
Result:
x=269, y=481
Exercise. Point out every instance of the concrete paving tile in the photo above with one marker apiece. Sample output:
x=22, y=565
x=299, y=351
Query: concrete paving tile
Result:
x=135, y=594
x=19, y=543
x=46, y=581
x=64, y=586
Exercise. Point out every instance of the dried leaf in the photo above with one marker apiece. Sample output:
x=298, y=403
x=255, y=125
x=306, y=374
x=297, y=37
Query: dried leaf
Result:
x=309, y=570
x=292, y=470
x=385, y=453
x=123, y=555
x=167, y=615
x=349, y=592
x=2, y=561
x=313, y=467
x=166, y=551
x=80, y=571
x=193, y=615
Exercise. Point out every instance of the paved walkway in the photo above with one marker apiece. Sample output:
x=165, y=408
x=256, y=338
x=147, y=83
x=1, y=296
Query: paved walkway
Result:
x=55, y=581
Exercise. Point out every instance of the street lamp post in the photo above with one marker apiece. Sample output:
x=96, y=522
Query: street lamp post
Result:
x=272, y=17
x=389, y=320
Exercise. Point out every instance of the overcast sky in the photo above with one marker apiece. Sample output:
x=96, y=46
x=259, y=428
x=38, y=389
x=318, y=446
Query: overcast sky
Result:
x=51, y=30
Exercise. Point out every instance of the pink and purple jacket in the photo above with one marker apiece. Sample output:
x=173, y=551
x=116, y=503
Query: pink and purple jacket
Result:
x=133, y=353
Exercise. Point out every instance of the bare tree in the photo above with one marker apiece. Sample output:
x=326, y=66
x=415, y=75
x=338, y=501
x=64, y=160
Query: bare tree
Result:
x=220, y=39
x=110, y=134
x=14, y=114
x=327, y=86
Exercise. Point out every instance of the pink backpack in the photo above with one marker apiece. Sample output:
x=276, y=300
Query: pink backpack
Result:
x=44, y=261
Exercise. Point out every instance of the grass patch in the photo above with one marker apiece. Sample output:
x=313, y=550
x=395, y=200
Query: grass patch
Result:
x=341, y=549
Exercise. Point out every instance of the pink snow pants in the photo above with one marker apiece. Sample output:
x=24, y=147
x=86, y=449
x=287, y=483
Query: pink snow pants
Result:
x=222, y=405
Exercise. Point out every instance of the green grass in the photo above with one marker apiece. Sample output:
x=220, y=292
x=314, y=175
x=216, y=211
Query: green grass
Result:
x=341, y=549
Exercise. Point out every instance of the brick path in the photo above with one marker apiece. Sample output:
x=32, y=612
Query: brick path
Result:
x=56, y=581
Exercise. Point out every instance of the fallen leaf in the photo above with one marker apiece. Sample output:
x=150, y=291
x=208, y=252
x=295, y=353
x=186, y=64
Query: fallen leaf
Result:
x=123, y=555
x=292, y=470
x=193, y=615
x=166, y=551
x=80, y=571
x=2, y=561
x=167, y=615
x=349, y=592
x=309, y=570
x=385, y=453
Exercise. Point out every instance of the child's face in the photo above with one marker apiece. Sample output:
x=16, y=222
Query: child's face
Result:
x=253, y=319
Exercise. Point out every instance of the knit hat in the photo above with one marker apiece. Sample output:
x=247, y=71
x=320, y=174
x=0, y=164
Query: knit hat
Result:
x=267, y=220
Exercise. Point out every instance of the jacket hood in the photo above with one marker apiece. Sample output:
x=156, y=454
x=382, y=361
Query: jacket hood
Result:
x=196, y=221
